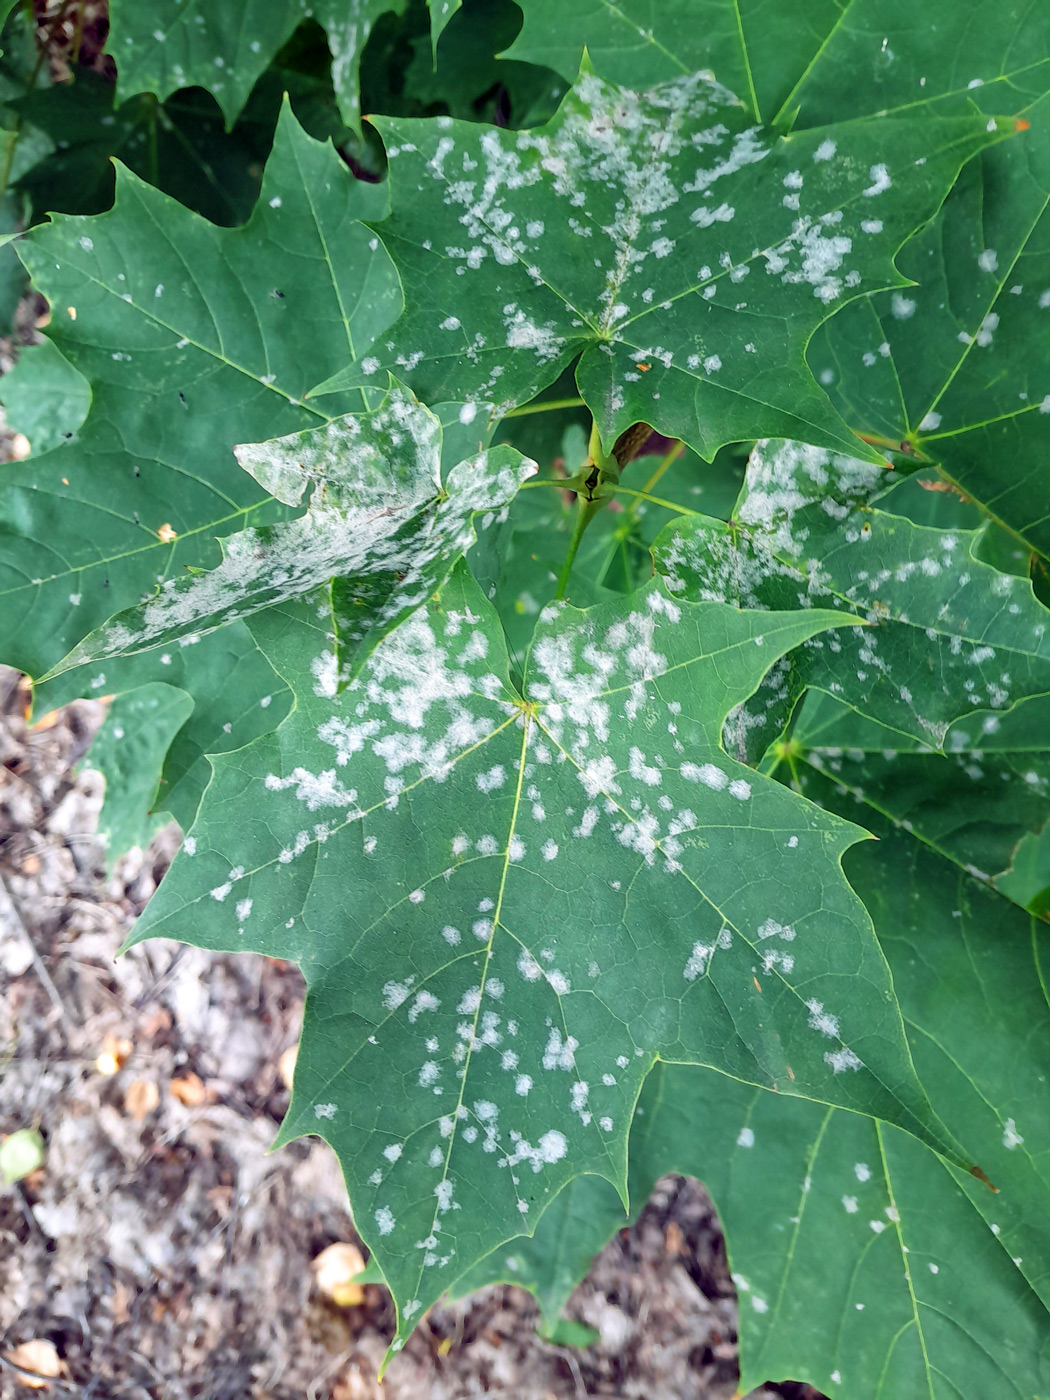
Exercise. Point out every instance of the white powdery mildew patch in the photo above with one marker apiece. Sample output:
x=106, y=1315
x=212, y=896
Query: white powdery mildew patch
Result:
x=700, y=958
x=560, y=1050
x=785, y=478
x=619, y=162
x=416, y=709
x=550, y=1148
x=374, y=517
x=385, y=1222
x=593, y=680
x=770, y=928
x=314, y=790
x=880, y=181
x=806, y=520
x=821, y=1020
x=706, y=773
x=813, y=254
x=590, y=678
x=221, y=892
x=574, y=669
x=828, y=1025
x=610, y=139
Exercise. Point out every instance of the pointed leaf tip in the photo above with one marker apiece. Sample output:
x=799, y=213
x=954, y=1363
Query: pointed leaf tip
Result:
x=980, y=1175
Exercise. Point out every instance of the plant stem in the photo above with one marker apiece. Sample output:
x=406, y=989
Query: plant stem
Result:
x=78, y=36
x=9, y=156
x=153, y=155
x=585, y=513
x=597, y=485
x=676, y=451
x=548, y=406
x=653, y=500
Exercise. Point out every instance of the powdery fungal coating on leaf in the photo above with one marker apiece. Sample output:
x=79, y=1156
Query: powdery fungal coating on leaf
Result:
x=661, y=229
x=528, y=896
x=377, y=518
x=219, y=358
x=947, y=633
x=509, y=897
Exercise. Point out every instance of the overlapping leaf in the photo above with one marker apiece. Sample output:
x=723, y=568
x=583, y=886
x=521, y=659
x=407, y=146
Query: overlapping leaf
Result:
x=129, y=750
x=522, y=557
x=1027, y=882
x=441, y=12
x=970, y=971
x=180, y=146
x=756, y=50
x=454, y=70
x=956, y=366
x=976, y=803
x=865, y=1263
x=377, y=516
x=236, y=695
x=44, y=397
x=192, y=339
x=949, y=635
x=507, y=905
x=683, y=254
x=861, y=1264
x=168, y=44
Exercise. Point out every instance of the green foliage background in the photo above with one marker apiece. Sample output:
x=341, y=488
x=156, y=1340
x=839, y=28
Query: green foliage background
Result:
x=550, y=760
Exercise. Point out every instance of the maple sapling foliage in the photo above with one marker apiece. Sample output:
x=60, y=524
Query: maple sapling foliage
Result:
x=531, y=576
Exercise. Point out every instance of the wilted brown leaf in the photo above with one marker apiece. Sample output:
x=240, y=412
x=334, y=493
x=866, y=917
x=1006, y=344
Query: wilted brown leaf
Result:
x=38, y=1357
x=335, y=1270
x=190, y=1090
x=286, y=1065
x=141, y=1097
x=114, y=1054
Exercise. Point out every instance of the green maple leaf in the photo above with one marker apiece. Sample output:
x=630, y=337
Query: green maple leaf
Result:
x=129, y=750
x=441, y=11
x=953, y=367
x=508, y=904
x=951, y=634
x=961, y=377
x=225, y=48
x=976, y=804
x=191, y=339
x=756, y=50
x=859, y=1258
x=377, y=516
x=236, y=696
x=866, y=1264
x=969, y=967
x=684, y=255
